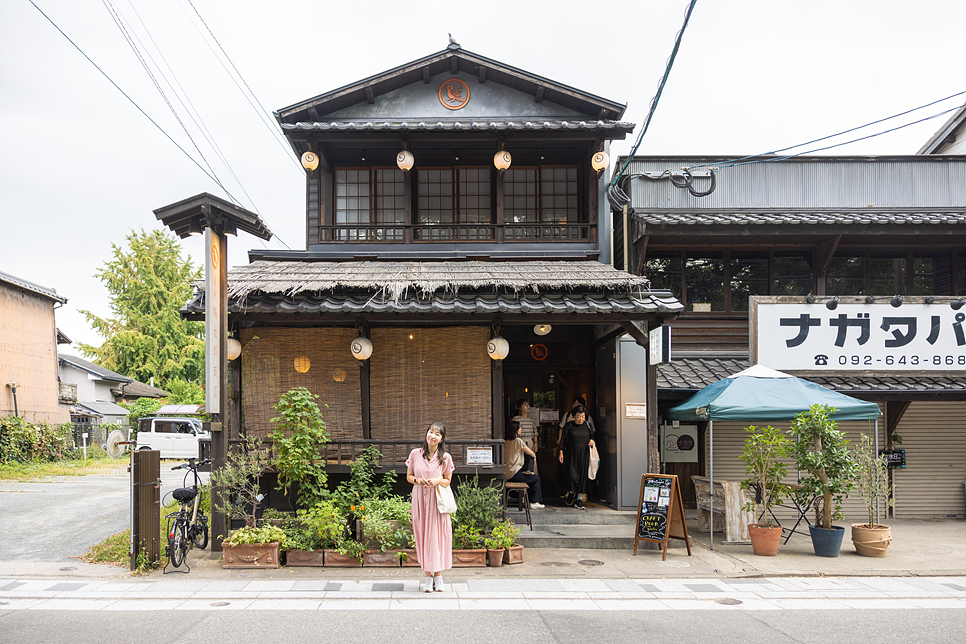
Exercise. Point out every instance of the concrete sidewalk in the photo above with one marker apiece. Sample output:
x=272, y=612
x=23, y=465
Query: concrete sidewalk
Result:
x=919, y=548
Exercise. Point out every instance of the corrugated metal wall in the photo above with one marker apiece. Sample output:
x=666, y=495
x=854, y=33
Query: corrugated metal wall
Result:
x=729, y=440
x=930, y=182
x=934, y=437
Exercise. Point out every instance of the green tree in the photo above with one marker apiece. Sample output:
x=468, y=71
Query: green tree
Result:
x=149, y=281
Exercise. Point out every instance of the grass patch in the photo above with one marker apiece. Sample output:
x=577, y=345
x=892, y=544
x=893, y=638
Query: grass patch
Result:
x=33, y=470
x=114, y=550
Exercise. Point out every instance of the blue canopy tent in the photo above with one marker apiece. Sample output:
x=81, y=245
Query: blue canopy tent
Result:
x=760, y=394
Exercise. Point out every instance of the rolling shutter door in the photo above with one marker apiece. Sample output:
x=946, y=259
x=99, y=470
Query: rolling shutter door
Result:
x=934, y=437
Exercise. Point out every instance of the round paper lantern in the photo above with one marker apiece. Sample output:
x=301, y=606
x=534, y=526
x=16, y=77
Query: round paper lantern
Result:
x=502, y=160
x=234, y=348
x=310, y=161
x=497, y=348
x=405, y=160
x=302, y=364
x=339, y=375
x=361, y=348
x=599, y=161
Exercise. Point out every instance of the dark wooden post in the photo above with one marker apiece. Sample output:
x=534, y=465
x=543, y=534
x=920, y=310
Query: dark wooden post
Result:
x=364, y=387
x=234, y=417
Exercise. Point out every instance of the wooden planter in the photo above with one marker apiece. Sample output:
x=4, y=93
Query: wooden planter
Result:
x=335, y=560
x=495, y=557
x=513, y=555
x=410, y=560
x=304, y=557
x=250, y=555
x=387, y=559
x=469, y=558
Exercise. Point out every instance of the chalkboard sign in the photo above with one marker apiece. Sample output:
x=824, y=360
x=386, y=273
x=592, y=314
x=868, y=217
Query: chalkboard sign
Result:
x=660, y=512
x=895, y=458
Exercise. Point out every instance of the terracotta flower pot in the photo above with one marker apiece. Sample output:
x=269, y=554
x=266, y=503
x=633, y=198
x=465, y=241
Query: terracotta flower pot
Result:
x=314, y=558
x=765, y=539
x=495, y=557
x=409, y=560
x=333, y=559
x=513, y=555
x=871, y=541
x=250, y=555
x=469, y=558
x=387, y=559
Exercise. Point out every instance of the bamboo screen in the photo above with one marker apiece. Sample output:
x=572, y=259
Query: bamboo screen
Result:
x=420, y=376
x=277, y=359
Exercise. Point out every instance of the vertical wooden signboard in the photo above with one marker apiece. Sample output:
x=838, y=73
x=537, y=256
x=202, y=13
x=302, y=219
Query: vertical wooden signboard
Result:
x=660, y=514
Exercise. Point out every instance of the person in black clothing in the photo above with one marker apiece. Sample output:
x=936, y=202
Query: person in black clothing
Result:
x=577, y=439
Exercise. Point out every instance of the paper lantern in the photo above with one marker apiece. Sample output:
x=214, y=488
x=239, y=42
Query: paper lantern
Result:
x=310, y=161
x=600, y=161
x=339, y=375
x=361, y=348
x=502, y=160
x=497, y=348
x=302, y=364
x=405, y=160
x=234, y=348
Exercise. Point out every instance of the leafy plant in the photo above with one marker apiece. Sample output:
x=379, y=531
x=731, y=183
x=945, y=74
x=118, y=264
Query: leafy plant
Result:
x=477, y=506
x=362, y=483
x=504, y=535
x=298, y=436
x=873, y=483
x=140, y=408
x=240, y=477
x=351, y=547
x=764, y=447
x=255, y=535
x=821, y=450
x=21, y=441
x=466, y=537
x=322, y=525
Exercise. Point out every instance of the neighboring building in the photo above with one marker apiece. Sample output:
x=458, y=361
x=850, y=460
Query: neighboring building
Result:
x=420, y=244
x=813, y=234
x=950, y=138
x=28, y=351
x=94, y=383
x=131, y=391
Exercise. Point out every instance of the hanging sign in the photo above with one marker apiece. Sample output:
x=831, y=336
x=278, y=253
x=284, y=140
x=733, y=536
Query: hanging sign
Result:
x=213, y=315
x=659, y=345
x=679, y=444
x=660, y=514
x=895, y=458
x=479, y=456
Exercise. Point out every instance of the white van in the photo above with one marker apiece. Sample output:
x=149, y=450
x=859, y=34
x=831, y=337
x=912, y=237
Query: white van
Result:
x=173, y=437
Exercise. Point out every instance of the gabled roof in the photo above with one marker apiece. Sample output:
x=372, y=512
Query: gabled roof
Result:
x=93, y=369
x=30, y=286
x=451, y=60
x=141, y=390
x=208, y=210
x=952, y=128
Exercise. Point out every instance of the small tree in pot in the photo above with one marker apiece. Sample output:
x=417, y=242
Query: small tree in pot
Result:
x=871, y=539
x=821, y=451
x=762, y=454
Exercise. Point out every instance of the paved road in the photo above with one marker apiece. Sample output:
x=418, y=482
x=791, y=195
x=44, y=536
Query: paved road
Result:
x=57, y=519
x=767, y=611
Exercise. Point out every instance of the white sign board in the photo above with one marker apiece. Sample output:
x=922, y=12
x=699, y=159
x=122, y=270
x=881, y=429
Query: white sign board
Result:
x=479, y=456
x=213, y=315
x=636, y=410
x=860, y=337
x=549, y=415
x=679, y=444
x=659, y=345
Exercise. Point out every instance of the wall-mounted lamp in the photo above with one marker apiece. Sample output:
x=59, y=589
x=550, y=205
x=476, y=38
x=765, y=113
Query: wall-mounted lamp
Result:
x=194, y=228
x=957, y=304
x=405, y=160
x=498, y=348
x=310, y=161
x=869, y=299
x=361, y=348
x=231, y=229
x=542, y=329
x=832, y=304
x=810, y=299
x=896, y=301
x=234, y=349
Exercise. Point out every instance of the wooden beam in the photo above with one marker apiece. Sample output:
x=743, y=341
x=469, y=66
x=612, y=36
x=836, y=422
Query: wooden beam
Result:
x=370, y=98
x=538, y=98
x=235, y=419
x=314, y=114
x=637, y=331
x=895, y=410
x=426, y=74
x=496, y=377
x=823, y=254
x=641, y=254
x=602, y=115
x=454, y=64
x=482, y=74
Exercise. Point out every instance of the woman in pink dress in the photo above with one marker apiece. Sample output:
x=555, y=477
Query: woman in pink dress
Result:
x=427, y=467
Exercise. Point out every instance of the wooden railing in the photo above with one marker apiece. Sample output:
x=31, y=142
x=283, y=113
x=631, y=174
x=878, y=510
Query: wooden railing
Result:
x=448, y=233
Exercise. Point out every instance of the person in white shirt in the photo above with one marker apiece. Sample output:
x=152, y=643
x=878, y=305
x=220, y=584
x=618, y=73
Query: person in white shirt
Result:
x=516, y=449
x=529, y=430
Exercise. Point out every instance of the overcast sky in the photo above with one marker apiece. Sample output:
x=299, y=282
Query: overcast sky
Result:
x=80, y=167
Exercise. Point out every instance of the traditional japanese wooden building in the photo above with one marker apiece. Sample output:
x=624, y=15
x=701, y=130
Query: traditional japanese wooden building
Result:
x=875, y=247
x=455, y=227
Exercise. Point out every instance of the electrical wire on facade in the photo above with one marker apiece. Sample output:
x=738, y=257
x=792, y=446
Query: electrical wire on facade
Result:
x=131, y=100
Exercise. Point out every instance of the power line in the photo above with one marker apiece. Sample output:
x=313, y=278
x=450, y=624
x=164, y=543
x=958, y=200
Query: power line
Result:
x=153, y=122
x=660, y=90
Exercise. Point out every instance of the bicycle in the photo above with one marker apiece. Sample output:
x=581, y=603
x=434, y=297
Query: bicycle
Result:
x=189, y=525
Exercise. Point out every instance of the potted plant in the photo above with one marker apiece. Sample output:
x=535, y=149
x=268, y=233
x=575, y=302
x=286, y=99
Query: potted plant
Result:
x=237, y=486
x=468, y=550
x=407, y=554
x=348, y=553
x=872, y=539
x=762, y=454
x=297, y=439
x=310, y=532
x=821, y=452
x=502, y=538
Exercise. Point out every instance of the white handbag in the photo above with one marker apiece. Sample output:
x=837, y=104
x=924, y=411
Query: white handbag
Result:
x=445, y=501
x=594, y=463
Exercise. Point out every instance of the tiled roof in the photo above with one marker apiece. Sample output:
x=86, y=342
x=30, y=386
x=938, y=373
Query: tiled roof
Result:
x=799, y=218
x=30, y=286
x=458, y=126
x=91, y=368
x=698, y=373
x=576, y=303
x=140, y=390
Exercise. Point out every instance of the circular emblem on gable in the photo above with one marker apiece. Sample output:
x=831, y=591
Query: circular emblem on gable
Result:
x=454, y=94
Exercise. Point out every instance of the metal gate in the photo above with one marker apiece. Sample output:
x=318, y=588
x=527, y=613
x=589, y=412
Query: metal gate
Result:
x=145, y=505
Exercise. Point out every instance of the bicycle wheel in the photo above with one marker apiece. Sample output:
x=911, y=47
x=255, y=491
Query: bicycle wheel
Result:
x=177, y=544
x=199, y=532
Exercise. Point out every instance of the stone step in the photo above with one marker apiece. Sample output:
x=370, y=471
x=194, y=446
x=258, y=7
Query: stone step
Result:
x=594, y=514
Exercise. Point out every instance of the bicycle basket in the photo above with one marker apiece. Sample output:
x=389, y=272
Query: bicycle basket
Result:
x=184, y=494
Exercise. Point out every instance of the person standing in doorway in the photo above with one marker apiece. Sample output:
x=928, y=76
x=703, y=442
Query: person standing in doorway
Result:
x=569, y=416
x=529, y=430
x=578, y=438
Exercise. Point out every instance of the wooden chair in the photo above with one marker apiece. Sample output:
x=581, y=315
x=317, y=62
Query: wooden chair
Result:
x=524, y=491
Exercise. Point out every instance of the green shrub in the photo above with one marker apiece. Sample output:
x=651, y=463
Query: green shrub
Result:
x=477, y=506
x=297, y=438
x=21, y=441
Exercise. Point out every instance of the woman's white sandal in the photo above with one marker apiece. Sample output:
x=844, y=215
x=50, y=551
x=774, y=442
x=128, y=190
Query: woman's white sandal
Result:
x=438, y=583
